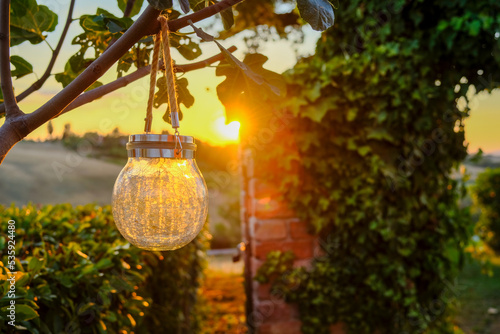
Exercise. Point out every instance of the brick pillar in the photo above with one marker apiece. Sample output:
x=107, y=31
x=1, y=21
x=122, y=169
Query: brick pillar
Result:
x=268, y=225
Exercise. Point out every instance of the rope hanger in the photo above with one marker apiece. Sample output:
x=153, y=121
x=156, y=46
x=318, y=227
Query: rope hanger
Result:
x=163, y=36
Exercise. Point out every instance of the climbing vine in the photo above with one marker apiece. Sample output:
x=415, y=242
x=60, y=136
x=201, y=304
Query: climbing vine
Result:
x=376, y=129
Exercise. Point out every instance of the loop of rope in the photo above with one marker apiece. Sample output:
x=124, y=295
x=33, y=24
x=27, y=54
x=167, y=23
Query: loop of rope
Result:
x=169, y=75
x=152, y=83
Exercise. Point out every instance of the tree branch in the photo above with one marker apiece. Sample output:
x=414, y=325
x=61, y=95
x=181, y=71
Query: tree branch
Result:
x=39, y=83
x=5, y=75
x=13, y=131
x=99, y=92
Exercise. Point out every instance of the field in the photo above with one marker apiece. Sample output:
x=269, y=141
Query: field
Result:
x=48, y=173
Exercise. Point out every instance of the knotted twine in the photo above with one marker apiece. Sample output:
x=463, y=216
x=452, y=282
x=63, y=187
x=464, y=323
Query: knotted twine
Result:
x=163, y=36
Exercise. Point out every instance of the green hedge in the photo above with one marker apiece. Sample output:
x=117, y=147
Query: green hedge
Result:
x=486, y=193
x=76, y=274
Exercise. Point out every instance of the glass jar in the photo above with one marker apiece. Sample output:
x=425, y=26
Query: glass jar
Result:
x=160, y=199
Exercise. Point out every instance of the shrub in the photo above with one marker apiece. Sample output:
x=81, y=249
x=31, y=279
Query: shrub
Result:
x=76, y=274
x=486, y=194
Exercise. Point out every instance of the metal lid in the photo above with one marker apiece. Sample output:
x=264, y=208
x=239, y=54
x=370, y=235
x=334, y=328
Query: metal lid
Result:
x=161, y=146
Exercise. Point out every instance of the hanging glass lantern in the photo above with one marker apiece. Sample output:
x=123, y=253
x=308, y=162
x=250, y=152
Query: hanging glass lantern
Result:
x=160, y=198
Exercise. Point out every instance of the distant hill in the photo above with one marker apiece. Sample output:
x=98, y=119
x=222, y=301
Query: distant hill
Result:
x=48, y=173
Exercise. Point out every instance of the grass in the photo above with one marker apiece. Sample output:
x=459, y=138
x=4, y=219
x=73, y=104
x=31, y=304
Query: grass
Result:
x=224, y=294
x=225, y=303
x=478, y=296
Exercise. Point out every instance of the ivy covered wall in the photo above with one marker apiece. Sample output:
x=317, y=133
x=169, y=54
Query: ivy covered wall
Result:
x=373, y=132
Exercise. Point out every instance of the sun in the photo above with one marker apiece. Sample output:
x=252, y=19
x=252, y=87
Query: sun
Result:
x=230, y=132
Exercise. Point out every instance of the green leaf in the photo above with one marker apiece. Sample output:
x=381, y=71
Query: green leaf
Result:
x=247, y=84
x=364, y=150
x=196, y=5
x=186, y=46
x=183, y=94
x=318, y=13
x=136, y=8
x=380, y=134
x=256, y=60
x=35, y=264
x=161, y=4
x=474, y=27
x=184, y=5
x=24, y=313
x=28, y=22
x=22, y=67
x=227, y=18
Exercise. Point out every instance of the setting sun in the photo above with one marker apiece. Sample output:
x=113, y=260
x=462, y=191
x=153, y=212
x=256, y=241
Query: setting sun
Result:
x=229, y=131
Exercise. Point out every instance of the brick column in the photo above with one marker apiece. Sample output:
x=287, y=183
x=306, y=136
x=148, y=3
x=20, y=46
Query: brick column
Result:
x=268, y=225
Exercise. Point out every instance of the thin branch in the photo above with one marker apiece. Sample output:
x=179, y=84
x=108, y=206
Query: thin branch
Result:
x=202, y=14
x=99, y=92
x=39, y=83
x=5, y=74
x=146, y=22
x=128, y=9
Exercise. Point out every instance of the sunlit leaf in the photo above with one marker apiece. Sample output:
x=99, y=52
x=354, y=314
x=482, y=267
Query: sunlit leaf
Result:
x=318, y=13
x=136, y=8
x=183, y=94
x=186, y=46
x=22, y=67
x=247, y=83
x=227, y=18
x=29, y=21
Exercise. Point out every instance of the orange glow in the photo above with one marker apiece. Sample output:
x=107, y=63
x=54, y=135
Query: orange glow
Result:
x=230, y=132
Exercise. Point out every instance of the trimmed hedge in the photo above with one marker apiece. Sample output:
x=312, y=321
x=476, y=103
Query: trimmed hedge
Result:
x=486, y=193
x=76, y=274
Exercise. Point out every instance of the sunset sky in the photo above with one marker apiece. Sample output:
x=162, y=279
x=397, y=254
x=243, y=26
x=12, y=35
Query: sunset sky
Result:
x=205, y=120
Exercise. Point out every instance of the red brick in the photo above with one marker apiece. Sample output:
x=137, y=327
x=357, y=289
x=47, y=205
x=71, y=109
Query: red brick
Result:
x=300, y=230
x=255, y=265
x=337, y=329
x=303, y=249
x=277, y=311
x=261, y=189
x=270, y=230
x=307, y=263
x=284, y=327
x=263, y=291
x=247, y=162
x=269, y=208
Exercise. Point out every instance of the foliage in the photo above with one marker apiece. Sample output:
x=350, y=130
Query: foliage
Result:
x=29, y=22
x=487, y=196
x=372, y=133
x=76, y=274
